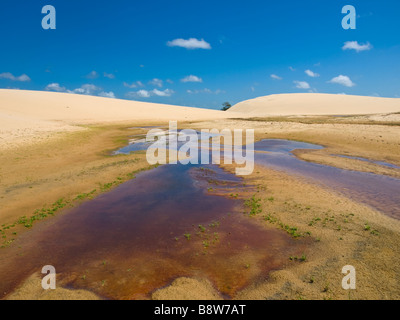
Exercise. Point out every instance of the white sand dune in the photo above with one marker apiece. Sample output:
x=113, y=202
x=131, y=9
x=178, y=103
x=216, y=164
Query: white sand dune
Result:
x=315, y=104
x=25, y=115
x=79, y=109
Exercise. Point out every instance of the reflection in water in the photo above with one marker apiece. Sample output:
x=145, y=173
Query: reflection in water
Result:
x=164, y=224
x=378, y=191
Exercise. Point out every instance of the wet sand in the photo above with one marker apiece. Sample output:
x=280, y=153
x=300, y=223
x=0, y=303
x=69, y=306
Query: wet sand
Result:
x=378, y=191
x=340, y=236
x=151, y=230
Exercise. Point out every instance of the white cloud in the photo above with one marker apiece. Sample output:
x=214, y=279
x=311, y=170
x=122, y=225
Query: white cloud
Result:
x=156, y=82
x=302, y=84
x=86, y=89
x=55, y=87
x=147, y=94
x=143, y=93
x=343, y=80
x=292, y=69
x=130, y=85
x=274, y=76
x=191, y=43
x=107, y=94
x=311, y=74
x=10, y=76
x=108, y=75
x=169, y=81
x=205, y=90
x=354, y=45
x=192, y=78
x=23, y=78
x=164, y=93
x=92, y=75
x=134, y=84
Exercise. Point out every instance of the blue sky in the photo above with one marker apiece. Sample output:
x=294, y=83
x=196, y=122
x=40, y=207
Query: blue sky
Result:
x=140, y=50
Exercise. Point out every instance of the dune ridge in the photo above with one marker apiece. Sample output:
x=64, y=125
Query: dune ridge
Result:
x=80, y=109
x=27, y=116
x=315, y=104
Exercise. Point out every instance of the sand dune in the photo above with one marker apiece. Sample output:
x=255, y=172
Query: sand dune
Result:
x=27, y=115
x=78, y=109
x=315, y=104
